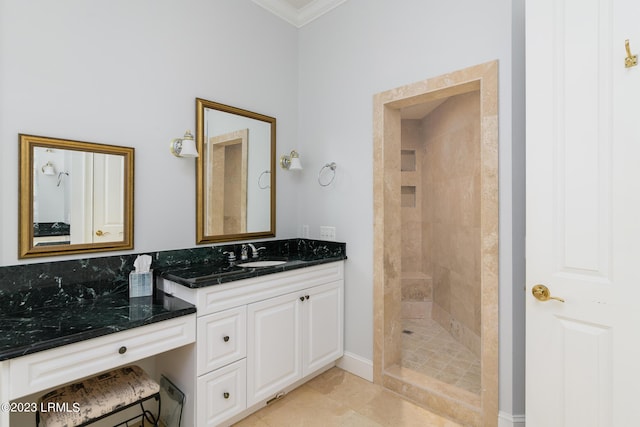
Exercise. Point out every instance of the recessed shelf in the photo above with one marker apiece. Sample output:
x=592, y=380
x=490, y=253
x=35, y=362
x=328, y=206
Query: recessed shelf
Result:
x=408, y=196
x=407, y=160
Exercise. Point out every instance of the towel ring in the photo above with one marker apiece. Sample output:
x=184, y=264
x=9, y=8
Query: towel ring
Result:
x=260, y=186
x=331, y=166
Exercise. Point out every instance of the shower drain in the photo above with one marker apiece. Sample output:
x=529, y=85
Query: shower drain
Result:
x=406, y=331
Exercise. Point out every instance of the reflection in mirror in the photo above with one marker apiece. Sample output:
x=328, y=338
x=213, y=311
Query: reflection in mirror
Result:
x=234, y=184
x=226, y=208
x=74, y=197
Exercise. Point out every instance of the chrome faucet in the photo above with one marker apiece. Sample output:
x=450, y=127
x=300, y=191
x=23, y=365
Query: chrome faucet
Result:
x=255, y=252
x=244, y=252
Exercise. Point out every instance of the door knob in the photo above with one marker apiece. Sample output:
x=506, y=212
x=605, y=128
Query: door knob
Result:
x=542, y=293
x=101, y=233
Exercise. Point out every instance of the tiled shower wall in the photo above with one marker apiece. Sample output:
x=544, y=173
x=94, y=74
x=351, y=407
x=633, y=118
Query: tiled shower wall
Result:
x=416, y=258
x=441, y=234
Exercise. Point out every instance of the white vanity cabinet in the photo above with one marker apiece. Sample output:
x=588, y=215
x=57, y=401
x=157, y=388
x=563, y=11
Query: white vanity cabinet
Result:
x=222, y=338
x=292, y=336
x=221, y=394
x=221, y=351
x=260, y=337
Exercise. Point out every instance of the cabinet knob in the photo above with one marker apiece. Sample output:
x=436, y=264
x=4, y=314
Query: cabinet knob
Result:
x=306, y=297
x=122, y=350
x=302, y=299
x=226, y=338
x=226, y=395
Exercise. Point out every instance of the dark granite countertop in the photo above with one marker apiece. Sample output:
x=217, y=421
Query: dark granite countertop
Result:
x=47, y=327
x=202, y=275
x=48, y=305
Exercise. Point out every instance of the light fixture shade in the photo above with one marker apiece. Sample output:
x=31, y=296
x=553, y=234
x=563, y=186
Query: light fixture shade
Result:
x=184, y=147
x=295, y=164
x=189, y=148
x=48, y=169
x=291, y=161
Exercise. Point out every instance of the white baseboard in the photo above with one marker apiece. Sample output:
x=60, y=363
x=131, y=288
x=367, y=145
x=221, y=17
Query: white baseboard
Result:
x=509, y=420
x=357, y=365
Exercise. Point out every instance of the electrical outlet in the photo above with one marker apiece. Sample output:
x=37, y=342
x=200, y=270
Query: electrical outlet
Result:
x=305, y=231
x=327, y=233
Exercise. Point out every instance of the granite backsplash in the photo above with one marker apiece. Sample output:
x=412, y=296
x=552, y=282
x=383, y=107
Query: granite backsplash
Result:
x=27, y=287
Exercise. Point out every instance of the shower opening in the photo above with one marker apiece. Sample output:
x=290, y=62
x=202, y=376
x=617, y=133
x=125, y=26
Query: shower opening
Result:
x=440, y=240
x=435, y=251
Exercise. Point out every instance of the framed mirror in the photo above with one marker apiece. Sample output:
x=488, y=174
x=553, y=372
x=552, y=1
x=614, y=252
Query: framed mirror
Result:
x=235, y=173
x=75, y=197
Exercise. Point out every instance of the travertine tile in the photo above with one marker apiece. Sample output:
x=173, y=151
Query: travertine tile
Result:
x=304, y=407
x=477, y=183
x=388, y=409
x=338, y=398
x=344, y=387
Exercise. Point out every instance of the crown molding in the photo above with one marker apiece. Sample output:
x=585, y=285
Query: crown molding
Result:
x=299, y=17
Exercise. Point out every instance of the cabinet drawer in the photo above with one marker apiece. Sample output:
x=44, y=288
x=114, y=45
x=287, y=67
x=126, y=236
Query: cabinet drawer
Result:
x=221, y=394
x=221, y=339
x=50, y=368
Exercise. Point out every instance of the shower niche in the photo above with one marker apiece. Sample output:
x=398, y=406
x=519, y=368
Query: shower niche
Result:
x=436, y=205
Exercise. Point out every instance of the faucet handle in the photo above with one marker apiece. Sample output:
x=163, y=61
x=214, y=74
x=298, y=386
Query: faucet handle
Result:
x=232, y=255
x=256, y=251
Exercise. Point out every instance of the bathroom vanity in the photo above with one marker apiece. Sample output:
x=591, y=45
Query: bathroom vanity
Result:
x=261, y=331
x=232, y=336
x=48, y=346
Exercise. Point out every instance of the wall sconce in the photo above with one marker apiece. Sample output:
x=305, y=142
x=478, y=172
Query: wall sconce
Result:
x=291, y=161
x=48, y=169
x=184, y=147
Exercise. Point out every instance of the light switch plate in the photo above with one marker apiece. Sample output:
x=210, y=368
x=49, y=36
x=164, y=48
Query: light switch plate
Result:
x=327, y=233
x=305, y=231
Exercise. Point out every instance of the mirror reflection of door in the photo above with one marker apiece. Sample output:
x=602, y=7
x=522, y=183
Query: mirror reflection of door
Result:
x=108, y=198
x=226, y=205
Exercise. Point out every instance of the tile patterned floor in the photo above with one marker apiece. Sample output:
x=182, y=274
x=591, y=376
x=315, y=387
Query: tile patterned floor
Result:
x=338, y=398
x=432, y=351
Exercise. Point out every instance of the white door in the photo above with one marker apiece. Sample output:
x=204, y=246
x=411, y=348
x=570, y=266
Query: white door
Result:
x=583, y=213
x=108, y=198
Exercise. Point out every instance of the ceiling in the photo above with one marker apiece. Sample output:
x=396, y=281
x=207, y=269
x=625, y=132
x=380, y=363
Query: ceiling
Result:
x=299, y=12
x=420, y=111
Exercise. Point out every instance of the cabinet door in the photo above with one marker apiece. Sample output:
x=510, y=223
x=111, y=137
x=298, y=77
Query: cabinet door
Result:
x=221, y=394
x=274, y=349
x=221, y=339
x=322, y=326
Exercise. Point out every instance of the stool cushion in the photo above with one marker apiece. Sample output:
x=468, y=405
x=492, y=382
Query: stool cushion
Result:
x=94, y=397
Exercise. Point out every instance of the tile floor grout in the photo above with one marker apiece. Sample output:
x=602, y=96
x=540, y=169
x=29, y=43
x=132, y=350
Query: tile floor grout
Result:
x=432, y=351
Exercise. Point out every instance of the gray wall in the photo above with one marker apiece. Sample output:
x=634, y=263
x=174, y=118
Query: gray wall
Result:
x=364, y=47
x=127, y=73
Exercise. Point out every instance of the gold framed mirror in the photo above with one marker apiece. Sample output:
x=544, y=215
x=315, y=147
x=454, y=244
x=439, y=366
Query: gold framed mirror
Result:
x=235, y=173
x=75, y=197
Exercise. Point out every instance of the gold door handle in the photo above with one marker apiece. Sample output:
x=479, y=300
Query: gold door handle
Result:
x=101, y=233
x=541, y=292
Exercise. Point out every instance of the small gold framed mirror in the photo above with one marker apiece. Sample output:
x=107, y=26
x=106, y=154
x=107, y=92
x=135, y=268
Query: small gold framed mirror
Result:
x=75, y=197
x=235, y=173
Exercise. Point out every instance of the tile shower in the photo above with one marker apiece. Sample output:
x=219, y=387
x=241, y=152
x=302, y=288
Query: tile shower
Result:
x=436, y=243
x=440, y=252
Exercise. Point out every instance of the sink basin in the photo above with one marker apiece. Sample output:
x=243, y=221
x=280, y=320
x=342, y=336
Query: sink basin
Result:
x=256, y=264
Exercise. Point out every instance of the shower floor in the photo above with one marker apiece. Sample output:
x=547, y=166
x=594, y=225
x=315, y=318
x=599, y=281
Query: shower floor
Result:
x=429, y=349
